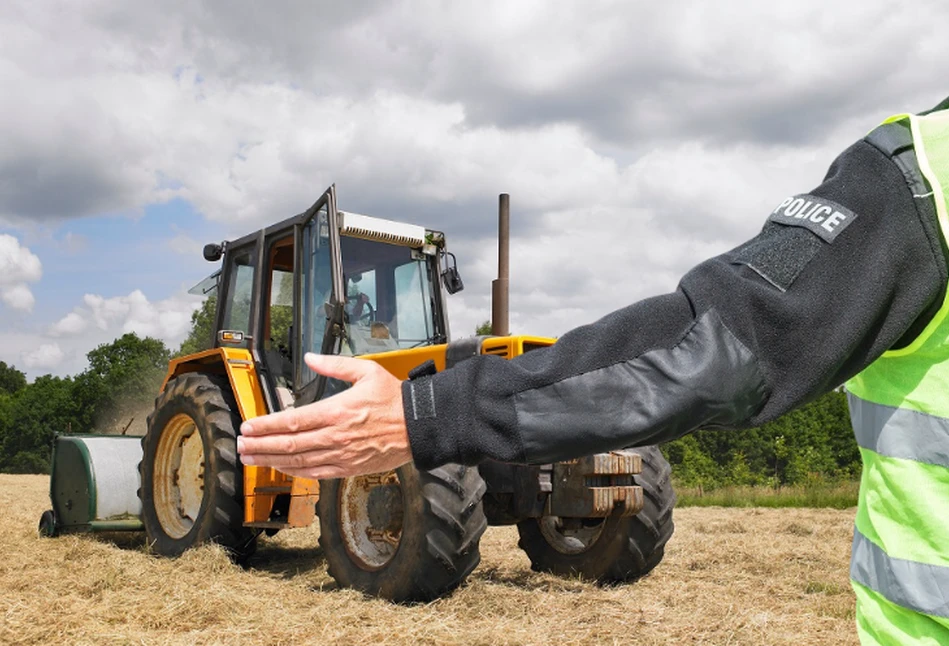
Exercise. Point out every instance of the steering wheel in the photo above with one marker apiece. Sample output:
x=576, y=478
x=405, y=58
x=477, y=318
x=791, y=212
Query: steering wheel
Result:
x=368, y=313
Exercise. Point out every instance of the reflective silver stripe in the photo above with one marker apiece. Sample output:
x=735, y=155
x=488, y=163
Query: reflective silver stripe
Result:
x=899, y=432
x=916, y=586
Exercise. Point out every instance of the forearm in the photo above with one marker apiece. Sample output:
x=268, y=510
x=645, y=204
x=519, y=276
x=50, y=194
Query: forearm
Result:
x=563, y=398
x=746, y=337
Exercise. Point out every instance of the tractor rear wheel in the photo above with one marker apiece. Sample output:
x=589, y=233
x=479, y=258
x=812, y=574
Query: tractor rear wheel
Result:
x=404, y=535
x=191, y=478
x=612, y=549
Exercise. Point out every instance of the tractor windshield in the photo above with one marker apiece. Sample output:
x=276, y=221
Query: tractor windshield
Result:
x=389, y=297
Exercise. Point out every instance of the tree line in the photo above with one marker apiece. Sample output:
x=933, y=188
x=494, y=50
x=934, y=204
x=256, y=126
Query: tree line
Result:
x=121, y=381
x=812, y=443
x=118, y=388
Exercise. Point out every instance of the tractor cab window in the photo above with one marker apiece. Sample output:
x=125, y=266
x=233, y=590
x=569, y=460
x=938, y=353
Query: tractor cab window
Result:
x=413, y=295
x=389, y=297
x=240, y=286
x=361, y=298
x=277, y=328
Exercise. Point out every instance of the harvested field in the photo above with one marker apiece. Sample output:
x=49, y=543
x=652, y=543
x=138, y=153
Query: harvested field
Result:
x=731, y=576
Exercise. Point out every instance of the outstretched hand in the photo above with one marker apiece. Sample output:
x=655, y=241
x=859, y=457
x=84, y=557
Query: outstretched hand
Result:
x=358, y=431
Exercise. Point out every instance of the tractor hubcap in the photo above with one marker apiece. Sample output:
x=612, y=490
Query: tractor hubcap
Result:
x=571, y=535
x=178, y=479
x=371, y=514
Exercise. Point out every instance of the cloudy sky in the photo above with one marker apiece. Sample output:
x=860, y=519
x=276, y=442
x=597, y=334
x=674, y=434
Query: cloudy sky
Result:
x=635, y=139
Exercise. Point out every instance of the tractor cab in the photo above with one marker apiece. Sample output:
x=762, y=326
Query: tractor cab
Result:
x=330, y=282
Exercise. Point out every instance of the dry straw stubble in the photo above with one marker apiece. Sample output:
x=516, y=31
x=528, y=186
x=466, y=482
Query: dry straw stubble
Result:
x=731, y=576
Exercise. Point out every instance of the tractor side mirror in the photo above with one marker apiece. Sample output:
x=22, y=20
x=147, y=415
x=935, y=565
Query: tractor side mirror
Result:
x=213, y=252
x=452, y=279
x=450, y=276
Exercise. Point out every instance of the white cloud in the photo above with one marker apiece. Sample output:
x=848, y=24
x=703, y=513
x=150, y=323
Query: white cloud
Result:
x=248, y=118
x=46, y=357
x=63, y=346
x=105, y=312
x=18, y=296
x=70, y=325
x=18, y=266
x=168, y=320
x=635, y=140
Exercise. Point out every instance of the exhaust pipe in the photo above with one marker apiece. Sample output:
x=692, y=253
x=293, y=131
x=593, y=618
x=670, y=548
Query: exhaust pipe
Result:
x=500, y=288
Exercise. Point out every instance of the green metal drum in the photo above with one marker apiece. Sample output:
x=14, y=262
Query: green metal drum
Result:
x=94, y=485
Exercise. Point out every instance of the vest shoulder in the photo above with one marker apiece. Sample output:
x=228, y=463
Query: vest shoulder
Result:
x=891, y=139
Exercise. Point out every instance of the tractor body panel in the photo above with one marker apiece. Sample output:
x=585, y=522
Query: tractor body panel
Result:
x=272, y=500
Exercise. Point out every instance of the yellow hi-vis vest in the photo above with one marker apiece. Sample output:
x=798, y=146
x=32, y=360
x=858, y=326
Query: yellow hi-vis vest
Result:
x=899, y=407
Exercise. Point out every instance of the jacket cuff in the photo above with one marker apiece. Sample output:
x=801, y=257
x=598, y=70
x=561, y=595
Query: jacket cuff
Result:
x=430, y=448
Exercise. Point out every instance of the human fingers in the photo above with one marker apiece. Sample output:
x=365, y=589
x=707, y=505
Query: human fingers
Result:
x=303, y=460
x=344, y=368
x=319, y=414
x=328, y=471
x=331, y=463
x=294, y=420
x=286, y=443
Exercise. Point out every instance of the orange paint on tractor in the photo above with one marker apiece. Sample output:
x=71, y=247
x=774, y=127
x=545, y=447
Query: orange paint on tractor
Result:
x=400, y=362
x=262, y=485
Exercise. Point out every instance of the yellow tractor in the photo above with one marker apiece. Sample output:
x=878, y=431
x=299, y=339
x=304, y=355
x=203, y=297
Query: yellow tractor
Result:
x=331, y=281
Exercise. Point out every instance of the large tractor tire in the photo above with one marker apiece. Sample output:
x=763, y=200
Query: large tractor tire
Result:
x=405, y=535
x=191, y=478
x=612, y=549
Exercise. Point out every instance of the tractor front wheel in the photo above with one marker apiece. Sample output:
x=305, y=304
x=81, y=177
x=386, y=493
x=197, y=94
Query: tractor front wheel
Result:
x=404, y=535
x=191, y=478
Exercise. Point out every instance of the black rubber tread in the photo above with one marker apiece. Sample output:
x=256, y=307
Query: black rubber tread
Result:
x=47, y=526
x=627, y=548
x=208, y=400
x=443, y=521
x=651, y=528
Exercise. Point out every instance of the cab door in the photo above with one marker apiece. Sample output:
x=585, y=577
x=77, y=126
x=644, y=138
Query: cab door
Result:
x=318, y=300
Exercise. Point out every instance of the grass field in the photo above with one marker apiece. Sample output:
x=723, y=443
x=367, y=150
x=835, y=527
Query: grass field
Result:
x=731, y=576
x=834, y=495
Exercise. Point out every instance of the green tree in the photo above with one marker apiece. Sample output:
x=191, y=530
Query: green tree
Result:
x=201, y=336
x=811, y=443
x=483, y=329
x=11, y=379
x=691, y=465
x=122, y=380
x=28, y=421
x=281, y=310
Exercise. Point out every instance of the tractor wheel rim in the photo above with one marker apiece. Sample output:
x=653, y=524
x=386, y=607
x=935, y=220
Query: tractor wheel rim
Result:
x=568, y=539
x=178, y=479
x=371, y=529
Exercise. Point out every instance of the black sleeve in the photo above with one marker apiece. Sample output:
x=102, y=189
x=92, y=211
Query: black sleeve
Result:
x=853, y=268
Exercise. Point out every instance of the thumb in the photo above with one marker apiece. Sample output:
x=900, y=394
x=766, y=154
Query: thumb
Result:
x=343, y=368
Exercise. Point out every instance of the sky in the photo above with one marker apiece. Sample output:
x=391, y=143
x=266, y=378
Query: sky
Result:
x=635, y=139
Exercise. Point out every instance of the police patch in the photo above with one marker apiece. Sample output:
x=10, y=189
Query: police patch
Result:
x=822, y=217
